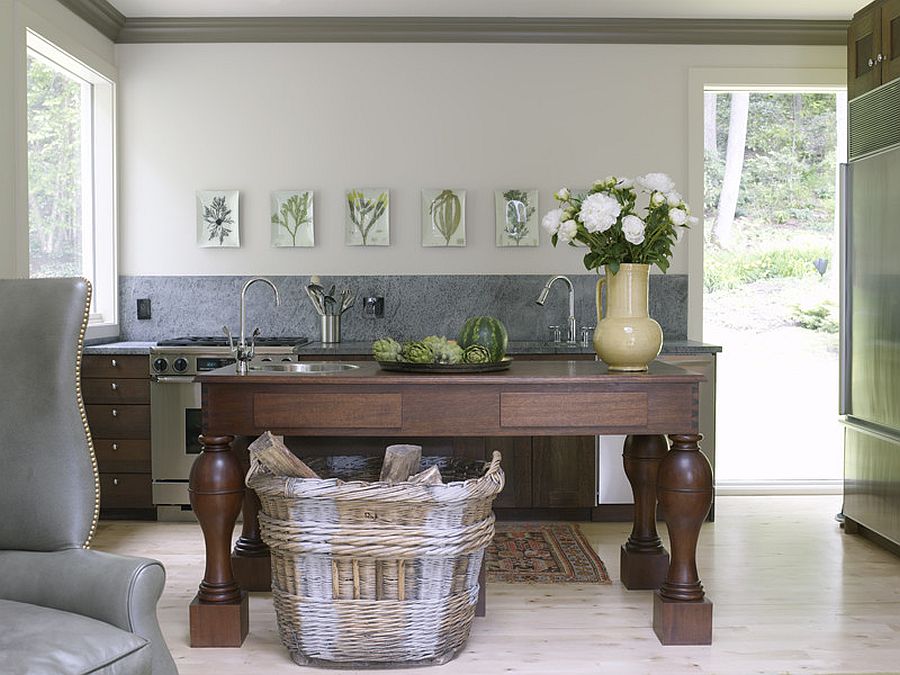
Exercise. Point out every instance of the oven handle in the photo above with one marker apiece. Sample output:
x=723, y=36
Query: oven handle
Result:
x=173, y=379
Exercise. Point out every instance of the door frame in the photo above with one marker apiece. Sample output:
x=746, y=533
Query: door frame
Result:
x=701, y=80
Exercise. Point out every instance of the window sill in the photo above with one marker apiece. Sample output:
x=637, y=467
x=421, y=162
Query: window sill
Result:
x=100, y=331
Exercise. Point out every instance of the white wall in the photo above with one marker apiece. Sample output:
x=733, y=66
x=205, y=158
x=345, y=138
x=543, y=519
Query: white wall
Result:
x=262, y=117
x=72, y=34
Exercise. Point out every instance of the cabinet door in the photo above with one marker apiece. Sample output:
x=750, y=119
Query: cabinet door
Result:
x=564, y=471
x=863, y=47
x=517, y=466
x=890, y=40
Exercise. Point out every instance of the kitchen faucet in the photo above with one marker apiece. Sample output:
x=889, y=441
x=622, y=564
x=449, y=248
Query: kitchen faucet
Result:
x=242, y=353
x=542, y=298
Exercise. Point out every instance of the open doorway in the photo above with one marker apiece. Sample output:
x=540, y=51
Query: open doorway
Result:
x=770, y=285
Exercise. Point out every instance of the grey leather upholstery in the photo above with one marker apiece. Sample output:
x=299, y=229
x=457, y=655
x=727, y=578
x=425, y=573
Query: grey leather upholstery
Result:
x=62, y=608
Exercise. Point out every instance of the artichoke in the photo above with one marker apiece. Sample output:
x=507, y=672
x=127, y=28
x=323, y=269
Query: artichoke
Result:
x=417, y=352
x=477, y=354
x=387, y=349
x=445, y=351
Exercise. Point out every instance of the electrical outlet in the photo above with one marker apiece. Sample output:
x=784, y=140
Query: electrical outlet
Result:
x=373, y=307
x=143, y=308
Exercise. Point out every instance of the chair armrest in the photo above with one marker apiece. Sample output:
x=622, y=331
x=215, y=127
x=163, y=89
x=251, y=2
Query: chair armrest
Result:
x=118, y=590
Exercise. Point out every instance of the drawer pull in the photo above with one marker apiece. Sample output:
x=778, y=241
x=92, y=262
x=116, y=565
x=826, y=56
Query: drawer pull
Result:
x=114, y=386
x=114, y=363
x=115, y=413
x=115, y=446
x=115, y=481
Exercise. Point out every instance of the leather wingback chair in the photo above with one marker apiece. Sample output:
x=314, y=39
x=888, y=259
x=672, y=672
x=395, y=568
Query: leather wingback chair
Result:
x=63, y=607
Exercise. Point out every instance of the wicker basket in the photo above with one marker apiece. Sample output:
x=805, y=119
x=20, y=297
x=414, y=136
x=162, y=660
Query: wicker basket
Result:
x=373, y=574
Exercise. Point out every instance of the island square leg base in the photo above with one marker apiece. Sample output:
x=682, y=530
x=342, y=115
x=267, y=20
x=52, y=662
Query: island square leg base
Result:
x=219, y=624
x=642, y=571
x=682, y=623
x=252, y=573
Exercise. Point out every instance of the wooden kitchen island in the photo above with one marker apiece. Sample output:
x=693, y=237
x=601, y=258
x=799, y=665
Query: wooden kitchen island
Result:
x=532, y=398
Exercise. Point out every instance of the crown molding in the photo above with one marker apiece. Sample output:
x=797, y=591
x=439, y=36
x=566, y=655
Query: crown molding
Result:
x=98, y=13
x=479, y=30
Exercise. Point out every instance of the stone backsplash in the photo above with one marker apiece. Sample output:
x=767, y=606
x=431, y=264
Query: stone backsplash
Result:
x=414, y=306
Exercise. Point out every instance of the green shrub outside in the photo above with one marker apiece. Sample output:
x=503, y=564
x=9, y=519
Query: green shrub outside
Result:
x=731, y=269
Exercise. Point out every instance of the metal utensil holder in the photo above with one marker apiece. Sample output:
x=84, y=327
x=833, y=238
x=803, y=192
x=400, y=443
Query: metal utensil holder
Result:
x=331, y=328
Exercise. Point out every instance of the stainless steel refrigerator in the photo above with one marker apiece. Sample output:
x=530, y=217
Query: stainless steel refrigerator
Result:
x=870, y=316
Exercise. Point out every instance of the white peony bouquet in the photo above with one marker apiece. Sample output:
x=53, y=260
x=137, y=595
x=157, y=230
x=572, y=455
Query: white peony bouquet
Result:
x=615, y=230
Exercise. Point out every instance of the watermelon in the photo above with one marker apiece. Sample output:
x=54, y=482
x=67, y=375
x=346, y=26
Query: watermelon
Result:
x=487, y=332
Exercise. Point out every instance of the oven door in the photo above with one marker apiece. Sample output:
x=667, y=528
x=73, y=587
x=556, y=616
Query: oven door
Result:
x=175, y=425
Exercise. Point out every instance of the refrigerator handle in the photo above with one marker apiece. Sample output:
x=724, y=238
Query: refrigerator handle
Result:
x=846, y=281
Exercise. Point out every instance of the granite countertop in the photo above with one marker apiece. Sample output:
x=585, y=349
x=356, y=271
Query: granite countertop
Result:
x=515, y=347
x=364, y=348
x=120, y=348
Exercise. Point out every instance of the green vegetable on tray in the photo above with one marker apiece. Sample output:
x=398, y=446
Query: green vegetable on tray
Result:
x=482, y=340
x=386, y=349
x=417, y=352
x=477, y=354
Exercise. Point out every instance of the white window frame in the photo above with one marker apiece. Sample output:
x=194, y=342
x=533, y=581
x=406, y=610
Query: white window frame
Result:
x=99, y=215
x=701, y=80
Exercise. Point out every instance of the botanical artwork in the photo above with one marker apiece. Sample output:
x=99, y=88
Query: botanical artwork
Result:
x=443, y=217
x=292, y=218
x=218, y=225
x=516, y=220
x=368, y=217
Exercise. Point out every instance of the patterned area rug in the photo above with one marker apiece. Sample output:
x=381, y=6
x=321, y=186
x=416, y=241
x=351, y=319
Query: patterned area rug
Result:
x=543, y=553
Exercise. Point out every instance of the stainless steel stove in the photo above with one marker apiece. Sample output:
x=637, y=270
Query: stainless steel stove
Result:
x=175, y=420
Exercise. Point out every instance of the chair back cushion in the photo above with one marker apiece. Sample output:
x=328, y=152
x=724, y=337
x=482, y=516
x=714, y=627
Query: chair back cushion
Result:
x=48, y=482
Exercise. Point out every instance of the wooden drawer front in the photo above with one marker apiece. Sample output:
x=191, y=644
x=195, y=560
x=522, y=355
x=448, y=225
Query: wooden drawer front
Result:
x=327, y=411
x=125, y=491
x=119, y=421
x=106, y=365
x=106, y=390
x=576, y=409
x=123, y=455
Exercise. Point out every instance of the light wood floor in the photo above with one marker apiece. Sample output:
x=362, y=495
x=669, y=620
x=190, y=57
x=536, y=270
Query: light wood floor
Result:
x=791, y=593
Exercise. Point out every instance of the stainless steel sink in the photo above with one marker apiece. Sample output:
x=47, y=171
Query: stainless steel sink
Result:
x=306, y=368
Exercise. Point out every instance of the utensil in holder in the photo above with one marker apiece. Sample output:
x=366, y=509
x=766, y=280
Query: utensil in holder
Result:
x=331, y=327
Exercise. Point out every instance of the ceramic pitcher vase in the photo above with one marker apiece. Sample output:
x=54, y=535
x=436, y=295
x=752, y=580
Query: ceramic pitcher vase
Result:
x=626, y=338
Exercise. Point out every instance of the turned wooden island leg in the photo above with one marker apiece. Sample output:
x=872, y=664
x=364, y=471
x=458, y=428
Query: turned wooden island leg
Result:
x=643, y=561
x=250, y=560
x=219, y=614
x=682, y=614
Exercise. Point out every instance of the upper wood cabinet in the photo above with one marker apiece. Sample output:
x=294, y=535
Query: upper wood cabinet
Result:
x=873, y=44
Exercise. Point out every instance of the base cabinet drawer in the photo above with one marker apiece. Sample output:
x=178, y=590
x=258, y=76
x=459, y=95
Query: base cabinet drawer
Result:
x=123, y=455
x=115, y=366
x=115, y=390
x=125, y=491
x=119, y=421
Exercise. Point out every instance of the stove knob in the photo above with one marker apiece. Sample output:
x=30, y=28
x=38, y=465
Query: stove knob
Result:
x=160, y=365
x=286, y=358
x=180, y=364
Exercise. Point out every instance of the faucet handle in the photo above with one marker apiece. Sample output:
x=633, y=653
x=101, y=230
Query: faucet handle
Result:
x=555, y=333
x=587, y=335
x=227, y=331
x=252, y=351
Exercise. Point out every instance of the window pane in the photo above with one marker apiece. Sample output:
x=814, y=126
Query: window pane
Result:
x=58, y=129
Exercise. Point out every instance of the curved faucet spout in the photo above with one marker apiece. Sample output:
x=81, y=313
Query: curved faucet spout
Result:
x=542, y=298
x=244, y=354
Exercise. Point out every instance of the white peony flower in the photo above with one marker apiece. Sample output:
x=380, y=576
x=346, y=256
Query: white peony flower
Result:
x=625, y=183
x=633, y=229
x=552, y=220
x=599, y=212
x=563, y=194
x=658, y=199
x=673, y=198
x=656, y=182
x=567, y=231
x=677, y=216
